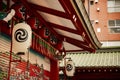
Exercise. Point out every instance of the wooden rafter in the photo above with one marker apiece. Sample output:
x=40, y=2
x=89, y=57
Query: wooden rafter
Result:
x=64, y=28
x=50, y=11
x=25, y=3
x=78, y=43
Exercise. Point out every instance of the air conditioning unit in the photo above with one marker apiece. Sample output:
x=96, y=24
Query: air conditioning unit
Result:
x=96, y=21
x=96, y=1
x=98, y=9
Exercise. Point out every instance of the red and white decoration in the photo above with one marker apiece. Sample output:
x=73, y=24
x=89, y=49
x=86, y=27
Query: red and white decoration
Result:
x=70, y=68
x=21, y=37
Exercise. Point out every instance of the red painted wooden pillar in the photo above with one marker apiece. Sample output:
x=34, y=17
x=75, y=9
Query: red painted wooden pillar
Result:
x=1, y=5
x=54, y=74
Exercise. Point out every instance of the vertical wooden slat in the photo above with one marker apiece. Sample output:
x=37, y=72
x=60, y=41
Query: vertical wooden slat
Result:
x=4, y=44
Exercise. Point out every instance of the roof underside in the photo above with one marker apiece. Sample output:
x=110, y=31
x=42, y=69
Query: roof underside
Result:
x=67, y=20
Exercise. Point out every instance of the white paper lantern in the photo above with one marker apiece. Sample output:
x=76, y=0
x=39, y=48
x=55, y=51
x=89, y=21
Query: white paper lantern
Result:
x=21, y=37
x=70, y=68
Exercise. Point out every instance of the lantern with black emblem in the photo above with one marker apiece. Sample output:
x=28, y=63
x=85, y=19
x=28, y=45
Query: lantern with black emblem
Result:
x=70, y=68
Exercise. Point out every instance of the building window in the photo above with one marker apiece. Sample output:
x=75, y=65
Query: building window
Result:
x=113, y=5
x=114, y=26
x=91, y=2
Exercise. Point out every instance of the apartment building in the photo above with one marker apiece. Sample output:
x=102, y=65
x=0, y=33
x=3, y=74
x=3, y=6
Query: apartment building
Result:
x=105, y=18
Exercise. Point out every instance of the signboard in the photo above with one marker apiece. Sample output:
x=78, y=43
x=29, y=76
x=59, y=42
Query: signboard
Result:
x=23, y=71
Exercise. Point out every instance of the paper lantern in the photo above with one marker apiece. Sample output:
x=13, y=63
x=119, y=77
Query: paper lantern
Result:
x=70, y=68
x=21, y=38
